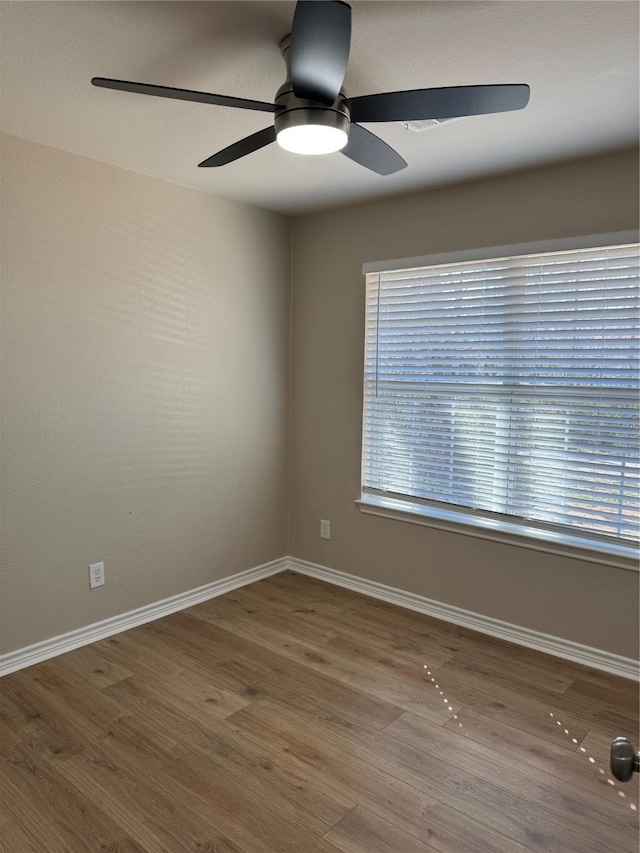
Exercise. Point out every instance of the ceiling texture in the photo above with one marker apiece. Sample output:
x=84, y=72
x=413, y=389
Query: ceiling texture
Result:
x=579, y=58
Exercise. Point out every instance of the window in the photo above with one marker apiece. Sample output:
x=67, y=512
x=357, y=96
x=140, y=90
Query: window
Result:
x=505, y=390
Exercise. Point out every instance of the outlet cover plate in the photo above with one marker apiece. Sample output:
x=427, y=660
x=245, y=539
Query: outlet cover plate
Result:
x=96, y=575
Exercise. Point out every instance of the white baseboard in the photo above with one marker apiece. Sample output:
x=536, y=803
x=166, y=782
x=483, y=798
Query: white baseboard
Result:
x=99, y=630
x=586, y=655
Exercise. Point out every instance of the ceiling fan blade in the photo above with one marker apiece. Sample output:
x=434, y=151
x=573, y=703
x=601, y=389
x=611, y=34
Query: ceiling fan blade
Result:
x=182, y=94
x=371, y=152
x=240, y=149
x=451, y=102
x=320, y=42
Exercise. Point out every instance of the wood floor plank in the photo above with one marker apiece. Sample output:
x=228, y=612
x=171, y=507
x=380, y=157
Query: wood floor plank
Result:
x=239, y=611
x=444, y=831
x=242, y=604
x=512, y=673
x=271, y=611
x=605, y=694
x=358, y=614
x=505, y=811
x=17, y=708
x=527, y=712
x=597, y=677
x=528, y=748
x=258, y=825
x=297, y=717
x=15, y=839
x=93, y=667
x=233, y=757
x=387, y=657
x=47, y=808
x=451, y=830
x=604, y=706
x=293, y=596
x=8, y=737
x=377, y=612
x=461, y=640
x=413, y=696
x=130, y=647
x=242, y=662
x=293, y=744
x=150, y=816
x=598, y=712
x=517, y=694
x=557, y=796
x=362, y=831
x=53, y=712
x=192, y=693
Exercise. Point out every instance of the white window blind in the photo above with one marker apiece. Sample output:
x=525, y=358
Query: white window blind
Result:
x=508, y=388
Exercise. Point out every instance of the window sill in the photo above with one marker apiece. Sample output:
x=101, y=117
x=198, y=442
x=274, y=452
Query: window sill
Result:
x=565, y=545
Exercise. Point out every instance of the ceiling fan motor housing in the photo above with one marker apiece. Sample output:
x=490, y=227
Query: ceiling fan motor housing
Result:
x=292, y=111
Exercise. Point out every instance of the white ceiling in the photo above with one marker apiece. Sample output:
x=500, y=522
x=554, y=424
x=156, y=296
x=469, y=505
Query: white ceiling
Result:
x=580, y=59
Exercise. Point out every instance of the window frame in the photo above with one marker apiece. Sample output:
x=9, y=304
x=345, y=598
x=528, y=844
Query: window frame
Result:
x=476, y=523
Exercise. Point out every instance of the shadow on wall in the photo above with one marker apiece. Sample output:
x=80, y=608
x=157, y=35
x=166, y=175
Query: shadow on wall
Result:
x=149, y=399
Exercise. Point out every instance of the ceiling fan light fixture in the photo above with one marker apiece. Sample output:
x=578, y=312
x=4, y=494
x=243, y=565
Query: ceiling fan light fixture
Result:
x=312, y=139
x=312, y=131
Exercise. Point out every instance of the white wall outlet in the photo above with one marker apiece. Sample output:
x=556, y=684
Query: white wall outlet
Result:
x=96, y=575
x=325, y=529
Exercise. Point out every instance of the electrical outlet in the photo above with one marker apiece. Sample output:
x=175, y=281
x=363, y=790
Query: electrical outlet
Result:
x=96, y=575
x=325, y=529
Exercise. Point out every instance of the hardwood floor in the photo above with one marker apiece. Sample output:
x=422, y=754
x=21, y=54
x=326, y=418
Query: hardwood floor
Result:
x=295, y=716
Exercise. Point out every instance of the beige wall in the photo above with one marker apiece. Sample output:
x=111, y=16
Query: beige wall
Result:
x=145, y=366
x=144, y=389
x=580, y=601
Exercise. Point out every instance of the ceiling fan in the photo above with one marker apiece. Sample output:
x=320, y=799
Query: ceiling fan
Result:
x=314, y=115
